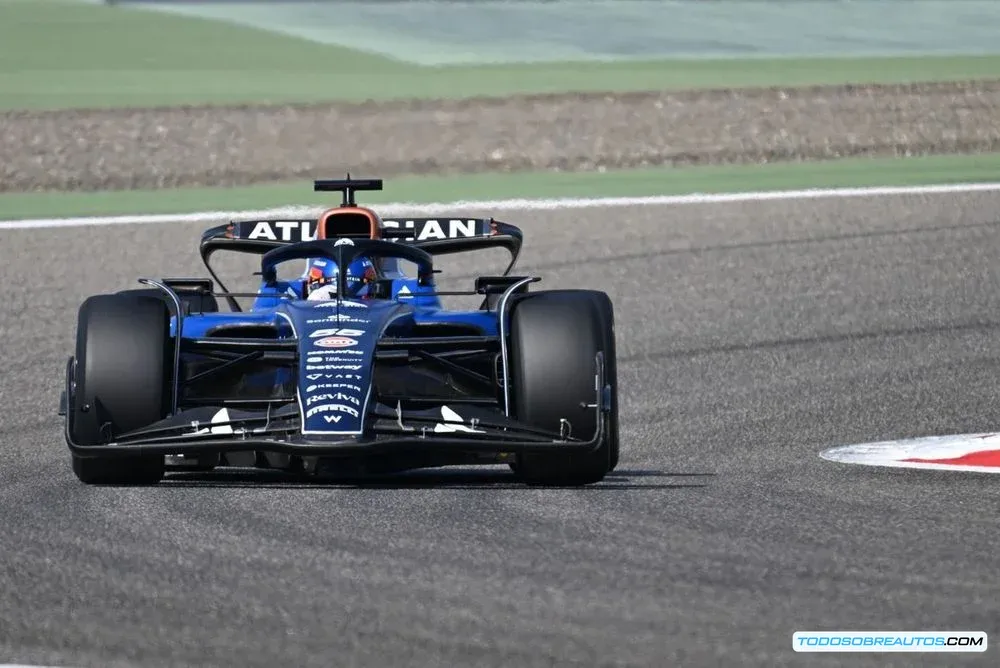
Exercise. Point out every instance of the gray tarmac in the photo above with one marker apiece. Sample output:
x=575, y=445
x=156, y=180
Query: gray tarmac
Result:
x=751, y=336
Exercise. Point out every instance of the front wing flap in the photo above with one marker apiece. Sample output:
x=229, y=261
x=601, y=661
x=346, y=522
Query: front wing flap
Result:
x=210, y=429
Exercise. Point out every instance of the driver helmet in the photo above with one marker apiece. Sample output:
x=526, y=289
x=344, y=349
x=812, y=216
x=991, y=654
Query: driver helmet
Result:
x=321, y=278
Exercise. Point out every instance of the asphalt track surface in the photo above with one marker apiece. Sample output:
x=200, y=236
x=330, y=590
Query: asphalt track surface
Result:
x=751, y=337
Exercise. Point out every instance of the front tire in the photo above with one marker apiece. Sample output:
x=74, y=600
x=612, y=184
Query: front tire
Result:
x=122, y=381
x=191, y=301
x=118, y=470
x=554, y=339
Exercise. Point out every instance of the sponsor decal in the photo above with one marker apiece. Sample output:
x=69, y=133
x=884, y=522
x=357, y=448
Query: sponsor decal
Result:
x=339, y=396
x=336, y=317
x=328, y=408
x=332, y=367
x=327, y=355
x=336, y=342
x=344, y=242
x=282, y=230
x=336, y=332
x=315, y=360
x=332, y=376
x=435, y=229
x=404, y=293
x=334, y=386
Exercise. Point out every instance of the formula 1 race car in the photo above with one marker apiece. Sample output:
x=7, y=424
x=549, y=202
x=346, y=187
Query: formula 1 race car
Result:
x=354, y=368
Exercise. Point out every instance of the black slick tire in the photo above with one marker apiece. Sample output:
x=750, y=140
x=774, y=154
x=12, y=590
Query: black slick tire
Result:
x=554, y=339
x=121, y=382
x=191, y=301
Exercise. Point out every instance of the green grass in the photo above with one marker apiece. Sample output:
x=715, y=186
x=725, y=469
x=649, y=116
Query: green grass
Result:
x=55, y=54
x=624, y=183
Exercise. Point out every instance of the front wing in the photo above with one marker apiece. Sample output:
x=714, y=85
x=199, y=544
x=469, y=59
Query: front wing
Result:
x=459, y=428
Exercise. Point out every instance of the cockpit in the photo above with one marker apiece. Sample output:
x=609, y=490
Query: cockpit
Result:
x=319, y=282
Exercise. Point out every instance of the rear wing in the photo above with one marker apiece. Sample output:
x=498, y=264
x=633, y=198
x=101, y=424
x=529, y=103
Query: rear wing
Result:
x=437, y=236
x=291, y=231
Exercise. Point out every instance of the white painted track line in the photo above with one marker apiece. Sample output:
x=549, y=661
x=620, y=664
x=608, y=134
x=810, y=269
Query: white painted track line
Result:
x=440, y=208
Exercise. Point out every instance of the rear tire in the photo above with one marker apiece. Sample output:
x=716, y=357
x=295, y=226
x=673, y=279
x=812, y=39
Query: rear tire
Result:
x=121, y=382
x=554, y=339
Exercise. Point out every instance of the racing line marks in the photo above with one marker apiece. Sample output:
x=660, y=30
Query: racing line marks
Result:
x=439, y=208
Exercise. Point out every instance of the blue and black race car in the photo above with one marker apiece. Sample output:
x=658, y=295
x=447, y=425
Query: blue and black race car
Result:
x=353, y=368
